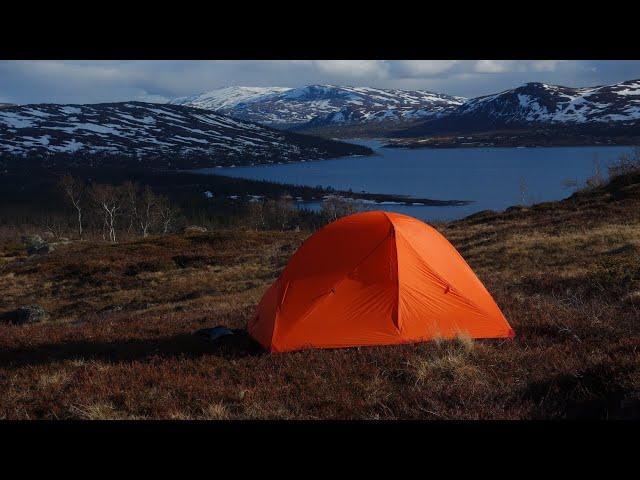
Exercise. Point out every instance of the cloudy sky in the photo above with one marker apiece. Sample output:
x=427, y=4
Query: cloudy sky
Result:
x=157, y=81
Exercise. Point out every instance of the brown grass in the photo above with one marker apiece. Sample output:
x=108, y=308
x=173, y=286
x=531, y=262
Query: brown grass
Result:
x=118, y=344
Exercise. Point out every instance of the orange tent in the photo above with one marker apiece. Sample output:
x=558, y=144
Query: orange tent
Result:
x=374, y=278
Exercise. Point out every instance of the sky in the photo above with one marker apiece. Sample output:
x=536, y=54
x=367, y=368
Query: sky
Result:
x=93, y=81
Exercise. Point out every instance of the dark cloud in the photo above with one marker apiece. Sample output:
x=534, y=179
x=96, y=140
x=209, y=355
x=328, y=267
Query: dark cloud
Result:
x=107, y=81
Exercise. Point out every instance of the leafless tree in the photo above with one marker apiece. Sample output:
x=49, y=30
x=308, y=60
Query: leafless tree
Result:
x=597, y=180
x=109, y=199
x=256, y=215
x=55, y=226
x=131, y=192
x=626, y=163
x=335, y=207
x=74, y=189
x=148, y=211
x=283, y=210
x=167, y=213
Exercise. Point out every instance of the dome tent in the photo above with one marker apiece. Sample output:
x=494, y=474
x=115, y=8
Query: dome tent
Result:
x=374, y=278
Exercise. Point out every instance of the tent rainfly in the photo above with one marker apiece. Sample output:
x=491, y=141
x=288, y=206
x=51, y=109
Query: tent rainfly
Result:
x=375, y=278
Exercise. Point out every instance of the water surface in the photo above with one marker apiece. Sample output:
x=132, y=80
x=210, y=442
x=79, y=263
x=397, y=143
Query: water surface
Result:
x=493, y=178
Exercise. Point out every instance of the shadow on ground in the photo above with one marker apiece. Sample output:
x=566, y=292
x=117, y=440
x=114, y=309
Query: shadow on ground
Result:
x=589, y=394
x=184, y=346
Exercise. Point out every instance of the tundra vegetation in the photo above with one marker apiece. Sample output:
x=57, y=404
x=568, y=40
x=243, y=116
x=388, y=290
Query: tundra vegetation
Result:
x=117, y=343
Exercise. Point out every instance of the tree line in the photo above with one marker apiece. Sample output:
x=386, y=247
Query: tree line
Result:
x=282, y=213
x=109, y=211
x=113, y=209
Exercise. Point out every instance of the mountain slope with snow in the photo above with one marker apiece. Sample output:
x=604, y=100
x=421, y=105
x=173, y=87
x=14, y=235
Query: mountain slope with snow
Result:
x=225, y=99
x=540, y=105
x=148, y=130
x=318, y=105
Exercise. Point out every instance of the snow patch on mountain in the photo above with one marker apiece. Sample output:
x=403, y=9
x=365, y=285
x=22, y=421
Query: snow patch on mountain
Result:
x=316, y=105
x=539, y=102
x=227, y=97
x=149, y=130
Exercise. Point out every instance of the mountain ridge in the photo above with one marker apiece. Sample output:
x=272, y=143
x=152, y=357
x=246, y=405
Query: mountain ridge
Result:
x=145, y=130
x=316, y=105
x=537, y=104
x=341, y=111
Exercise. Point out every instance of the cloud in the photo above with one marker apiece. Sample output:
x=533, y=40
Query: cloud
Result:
x=490, y=66
x=106, y=72
x=421, y=68
x=381, y=69
x=504, y=66
x=111, y=81
x=73, y=82
x=545, y=65
x=353, y=68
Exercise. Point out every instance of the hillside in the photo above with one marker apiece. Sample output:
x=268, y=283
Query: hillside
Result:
x=610, y=110
x=316, y=106
x=165, y=135
x=227, y=98
x=118, y=342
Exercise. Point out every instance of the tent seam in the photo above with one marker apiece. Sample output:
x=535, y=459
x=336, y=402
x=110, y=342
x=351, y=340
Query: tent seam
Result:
x=277, y=312
x=310, y=311
x=395, y=246
x=275, y=323
x=445, y=281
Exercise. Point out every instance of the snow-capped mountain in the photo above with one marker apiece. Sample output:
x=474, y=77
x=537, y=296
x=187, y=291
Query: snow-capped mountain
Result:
x=225, y=99
x=318, y=105
x=539, y=104
x=149, y=130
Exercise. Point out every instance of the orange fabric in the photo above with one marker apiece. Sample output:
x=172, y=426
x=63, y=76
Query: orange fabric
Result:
x=375, y=278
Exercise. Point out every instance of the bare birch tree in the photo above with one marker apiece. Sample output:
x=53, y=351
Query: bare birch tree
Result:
x=74, y=189
x=255, y=212
x=131, y=192
x=167, y=212
x=148, y=211
x=282, y=211
x=335, y=207
x=109, y=199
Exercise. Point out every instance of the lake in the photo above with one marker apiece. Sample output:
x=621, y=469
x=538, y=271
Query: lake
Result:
x=493, y=178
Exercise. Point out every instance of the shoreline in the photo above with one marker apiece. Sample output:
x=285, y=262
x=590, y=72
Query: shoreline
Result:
x=377, y=198
x=489, y=142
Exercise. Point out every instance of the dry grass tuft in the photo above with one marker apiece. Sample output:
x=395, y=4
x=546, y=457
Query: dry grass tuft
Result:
x=215, y=411
x=55, y=380
x=465, y=341
x=451, y=361
x=96, y=411
x=454, y=366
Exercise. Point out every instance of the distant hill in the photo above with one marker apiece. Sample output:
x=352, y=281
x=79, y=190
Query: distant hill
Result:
x=603, y=110
x=547, y=113
x=146, y=130
x=317, y=106
x=225, y=99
